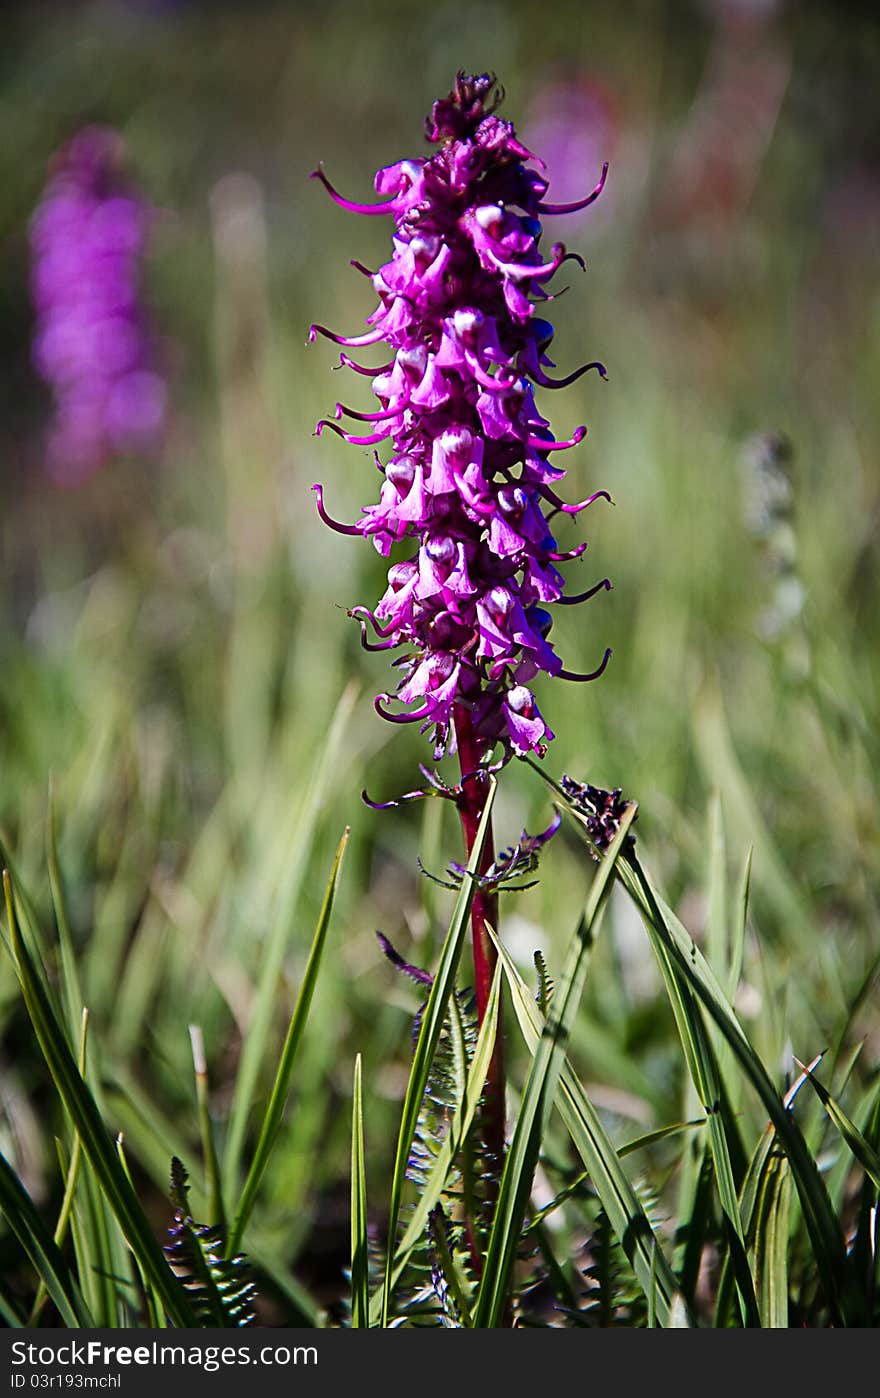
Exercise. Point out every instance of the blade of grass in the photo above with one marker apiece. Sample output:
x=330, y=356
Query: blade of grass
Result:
x=740, y=921
x=103, y=1251
x=867, y=1234
x=72, y=990
x=256, y=1043
x=457, y=1134
x=215, y=1212
x=153, y=1300
x=360, y=1296
x=819, y=1216
x=278, y=1096
x=432, y=1024
x=537, y=1100
x=640, y=1143
x=828, y=1248
x=626, y=1214
x=96, y=1143
x=861, y=1149
x=752, y=1184
x=771, y=1243
x=41, y=1248
x=702, y=1064
x=72, y=1175
x=717, y=941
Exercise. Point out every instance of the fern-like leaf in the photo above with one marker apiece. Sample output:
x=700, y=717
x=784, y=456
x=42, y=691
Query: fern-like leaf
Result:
x=545, y=984
x=220, y=1289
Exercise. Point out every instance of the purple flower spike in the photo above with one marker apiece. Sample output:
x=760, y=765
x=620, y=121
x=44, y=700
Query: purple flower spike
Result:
x=468, y=471
x=92, y=343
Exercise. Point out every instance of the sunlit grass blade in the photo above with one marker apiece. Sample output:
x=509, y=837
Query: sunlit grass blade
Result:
x=626, y=1214
x=630, y=1148
x=456, y=1136
x=19, y=1212
x=704, y=1070
x=70, y=1182
x=752, y=1186
x=98, y=1238
x=153, y=1300
x=360, y=1294
x=740, y=922
x=627, y=1217
x=278, y=1096
x=72, y=990
x=723, y=770
x=215, y=1212
x=825, y=1234
x=152, y=1138
x=96, y=1143
x=820, y=1219
x=717, y=938
x=254, y=1050
x=861, y=1149
x=771, y=1243
x=866, y=1244
x=433, y=1017
x=537, y=1101
x=701, y=1059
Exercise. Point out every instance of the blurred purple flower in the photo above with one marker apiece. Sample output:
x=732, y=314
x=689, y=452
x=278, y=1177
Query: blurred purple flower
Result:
x=470, y=474
x=574, y=124
x=93, y=343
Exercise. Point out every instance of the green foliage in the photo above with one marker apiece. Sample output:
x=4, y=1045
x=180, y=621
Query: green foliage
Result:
x=219, y=1287
x=178, y=669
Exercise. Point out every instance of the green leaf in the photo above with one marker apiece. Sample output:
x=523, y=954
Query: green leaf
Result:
x=537, y=1101
x=217, y=1282
x=771, y=1242
x=433, y=1019
x=458, y=1132
x=703, y=1067
x=360, y=1296
x=862, y=1150
x=96, y=1143
x=828, y=1248
x=256, y=1045
x=72, y=991
x=278, y=1097
x=41, y=1248
x=630, y=1148
x=70, y=1183
x=627, y=1217
x=825, y=1235
x=738, y=940
x=216, y=1213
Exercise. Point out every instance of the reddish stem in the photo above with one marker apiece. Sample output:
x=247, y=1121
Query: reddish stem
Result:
x=484, y=909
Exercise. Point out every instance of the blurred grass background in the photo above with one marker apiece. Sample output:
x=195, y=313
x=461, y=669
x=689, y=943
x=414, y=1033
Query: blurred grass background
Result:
x=174, y=645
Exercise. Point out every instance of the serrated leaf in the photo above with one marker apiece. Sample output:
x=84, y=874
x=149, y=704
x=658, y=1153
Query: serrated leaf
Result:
x=433, y=1019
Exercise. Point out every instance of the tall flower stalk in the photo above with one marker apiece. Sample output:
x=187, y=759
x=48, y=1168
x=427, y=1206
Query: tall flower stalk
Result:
x=471, y=474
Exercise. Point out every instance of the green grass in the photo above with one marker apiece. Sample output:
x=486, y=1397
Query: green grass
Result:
x=186, y=724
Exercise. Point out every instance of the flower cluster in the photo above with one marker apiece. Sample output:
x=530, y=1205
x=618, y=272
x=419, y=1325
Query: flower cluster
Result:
x=471, y=473
x=602, y=811
x=514, y=862
x=92, y=342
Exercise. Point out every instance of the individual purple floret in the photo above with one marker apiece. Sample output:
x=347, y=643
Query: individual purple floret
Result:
x=470, y=470
x=93, y=343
